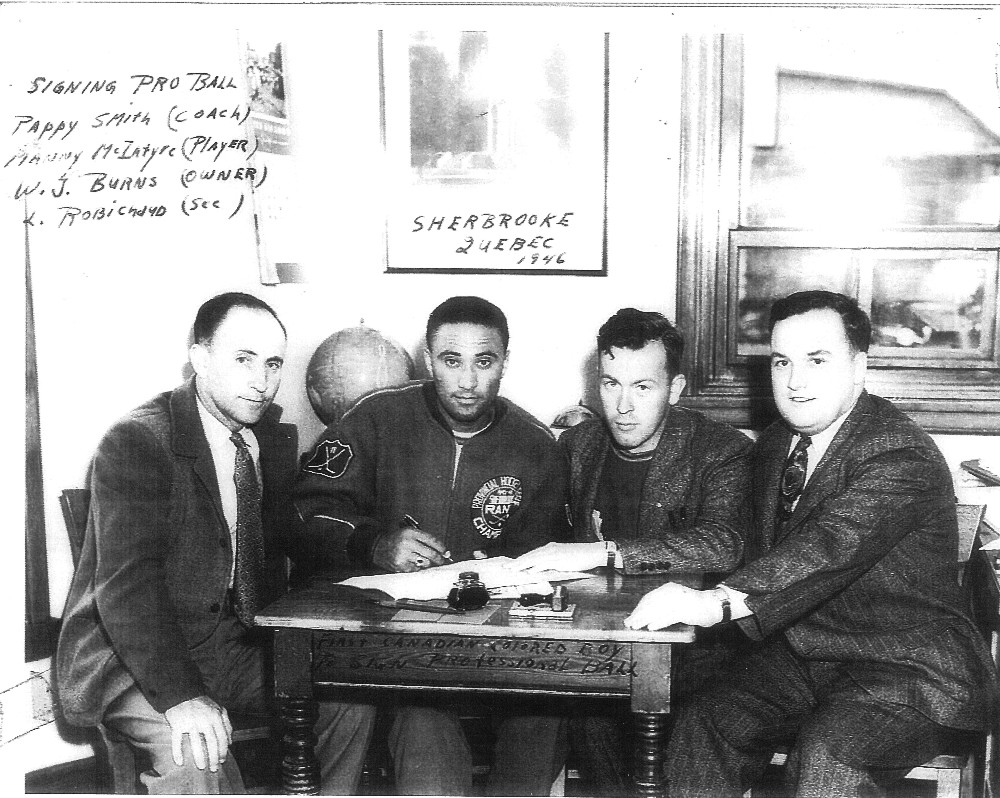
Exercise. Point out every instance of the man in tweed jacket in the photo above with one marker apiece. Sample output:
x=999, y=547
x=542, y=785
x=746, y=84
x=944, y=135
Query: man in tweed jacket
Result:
x=655, y=488
x=862, y=651
x=151, y=645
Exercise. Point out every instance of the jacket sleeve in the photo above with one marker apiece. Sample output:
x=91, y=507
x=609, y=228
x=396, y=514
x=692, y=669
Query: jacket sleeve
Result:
x=710, y=536
x=334, y=497
x=543, y=515
x=881, y=499
x=130, y=509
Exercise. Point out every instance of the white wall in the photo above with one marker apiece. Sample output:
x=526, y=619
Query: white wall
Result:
x=113, y=303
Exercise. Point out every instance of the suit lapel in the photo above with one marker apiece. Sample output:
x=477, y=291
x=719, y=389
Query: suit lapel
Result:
x=824, y=479
x=591, y=465
x=772, y=455
x=189, y=441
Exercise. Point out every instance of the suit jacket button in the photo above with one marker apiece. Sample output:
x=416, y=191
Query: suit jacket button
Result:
x=215, y=607
x=222, y=543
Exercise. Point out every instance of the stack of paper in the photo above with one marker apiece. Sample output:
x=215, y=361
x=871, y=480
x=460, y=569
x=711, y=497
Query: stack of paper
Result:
x=497, y=573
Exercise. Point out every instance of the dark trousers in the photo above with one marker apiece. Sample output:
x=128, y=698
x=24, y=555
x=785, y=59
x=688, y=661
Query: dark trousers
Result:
x=601, y=737
x=431, y=755
x=846, y=742
x=233, y=666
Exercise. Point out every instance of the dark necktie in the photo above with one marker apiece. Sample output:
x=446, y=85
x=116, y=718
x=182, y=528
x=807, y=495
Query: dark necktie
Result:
x=793, y=479
x=249, y=576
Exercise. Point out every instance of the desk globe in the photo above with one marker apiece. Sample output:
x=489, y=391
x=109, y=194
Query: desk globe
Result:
x=351, y=363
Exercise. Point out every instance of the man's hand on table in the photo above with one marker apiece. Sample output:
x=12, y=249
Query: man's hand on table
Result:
x=564, y=557
x=672, y=603
x=407, y=550
x=208, y=727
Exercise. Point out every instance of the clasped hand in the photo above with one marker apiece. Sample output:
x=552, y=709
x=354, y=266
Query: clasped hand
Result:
x=208, y=728
x=672, y=603
x=407, y=550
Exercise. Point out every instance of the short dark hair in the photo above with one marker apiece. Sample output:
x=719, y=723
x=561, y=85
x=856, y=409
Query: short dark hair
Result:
x=857, y=325
x=213, y=312
x=633, y=329
x=468, y=310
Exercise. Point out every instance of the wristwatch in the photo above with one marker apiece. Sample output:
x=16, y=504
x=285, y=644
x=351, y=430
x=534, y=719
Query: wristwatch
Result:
x=727, y=608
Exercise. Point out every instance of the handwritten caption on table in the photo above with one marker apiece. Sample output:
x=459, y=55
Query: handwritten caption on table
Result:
x=389, y=658
x=144, y=146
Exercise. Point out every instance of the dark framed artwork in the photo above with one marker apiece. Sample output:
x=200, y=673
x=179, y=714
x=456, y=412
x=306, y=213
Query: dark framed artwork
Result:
x=496, y=148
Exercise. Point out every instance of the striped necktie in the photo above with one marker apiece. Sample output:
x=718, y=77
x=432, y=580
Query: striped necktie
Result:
x=793, y=479
x=249, y=574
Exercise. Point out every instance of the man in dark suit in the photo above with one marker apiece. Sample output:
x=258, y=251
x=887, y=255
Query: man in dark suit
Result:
x=862, y=651
x=187, y=505
x=654, y=487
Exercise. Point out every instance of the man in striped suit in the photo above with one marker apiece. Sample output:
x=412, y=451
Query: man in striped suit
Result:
x=863, y=653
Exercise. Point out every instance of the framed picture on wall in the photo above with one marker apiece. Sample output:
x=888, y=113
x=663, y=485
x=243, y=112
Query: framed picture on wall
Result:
x=273, y=185
x=496, y=148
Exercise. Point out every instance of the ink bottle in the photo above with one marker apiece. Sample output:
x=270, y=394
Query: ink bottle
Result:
x=468, y=593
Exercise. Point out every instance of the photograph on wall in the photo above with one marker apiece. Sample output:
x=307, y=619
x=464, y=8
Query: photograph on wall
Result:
x=496, y=151
x=274, y=186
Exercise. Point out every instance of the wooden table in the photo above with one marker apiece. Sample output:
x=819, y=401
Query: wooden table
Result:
x=328, y=636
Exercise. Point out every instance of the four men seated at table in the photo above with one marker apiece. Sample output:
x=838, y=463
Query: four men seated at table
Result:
x=834, y=536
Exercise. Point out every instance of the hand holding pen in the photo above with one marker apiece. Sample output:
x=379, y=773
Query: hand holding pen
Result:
x=409, y=548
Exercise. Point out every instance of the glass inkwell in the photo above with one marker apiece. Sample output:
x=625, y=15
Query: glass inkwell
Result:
x=468, y=593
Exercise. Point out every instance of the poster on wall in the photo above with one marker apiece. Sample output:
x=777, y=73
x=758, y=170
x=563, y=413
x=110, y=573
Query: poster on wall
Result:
x=273, y=187
x=496, y=149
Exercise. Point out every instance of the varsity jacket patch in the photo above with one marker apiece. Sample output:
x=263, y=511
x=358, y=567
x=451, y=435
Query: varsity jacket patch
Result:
x=330, y=459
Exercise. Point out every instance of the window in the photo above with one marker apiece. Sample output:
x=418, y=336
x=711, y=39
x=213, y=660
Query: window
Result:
x=868, y=166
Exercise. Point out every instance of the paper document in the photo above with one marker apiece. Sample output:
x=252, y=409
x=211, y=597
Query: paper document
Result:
x=434, y=583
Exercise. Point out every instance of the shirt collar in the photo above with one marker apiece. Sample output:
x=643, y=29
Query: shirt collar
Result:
x=821, y=441
x=218, y=434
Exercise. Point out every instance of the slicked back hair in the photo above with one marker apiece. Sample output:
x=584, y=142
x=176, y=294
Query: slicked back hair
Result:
x=857, y=325
x=213, y=312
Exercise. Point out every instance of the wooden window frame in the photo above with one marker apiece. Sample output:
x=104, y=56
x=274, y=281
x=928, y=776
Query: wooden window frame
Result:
x=943, y=394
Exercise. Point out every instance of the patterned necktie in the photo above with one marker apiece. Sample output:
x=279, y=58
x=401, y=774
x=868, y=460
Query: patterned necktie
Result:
x=249, y=577
x=793, y=479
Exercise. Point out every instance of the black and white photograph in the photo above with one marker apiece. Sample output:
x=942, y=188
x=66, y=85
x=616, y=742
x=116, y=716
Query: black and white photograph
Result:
x=591, y=399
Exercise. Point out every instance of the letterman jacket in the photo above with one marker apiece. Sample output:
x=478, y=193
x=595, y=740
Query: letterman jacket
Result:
x=393, y=453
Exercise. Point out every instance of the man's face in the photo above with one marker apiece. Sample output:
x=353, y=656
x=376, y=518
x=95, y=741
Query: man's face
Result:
x=238, y=372
x=636, y=392
x=467, y=362
x=815, y=375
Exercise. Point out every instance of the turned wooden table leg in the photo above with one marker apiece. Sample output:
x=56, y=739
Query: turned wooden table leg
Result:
x=299, y=767
x=650, y=705
x=647, y=770
x=298, y=710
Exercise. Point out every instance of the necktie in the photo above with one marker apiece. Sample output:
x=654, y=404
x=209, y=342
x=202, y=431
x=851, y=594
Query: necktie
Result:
x=793, y=479
x=249, y=576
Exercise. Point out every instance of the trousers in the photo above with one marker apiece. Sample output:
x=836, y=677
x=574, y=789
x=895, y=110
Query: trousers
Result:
x=601, y=742
x=846, y=741
x=431, y=754
x=233, y=666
